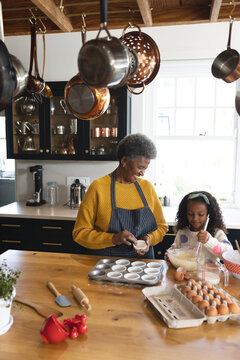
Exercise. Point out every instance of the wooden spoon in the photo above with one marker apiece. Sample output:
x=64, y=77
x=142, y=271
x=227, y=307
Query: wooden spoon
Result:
x=237, y=245
x=43, y=310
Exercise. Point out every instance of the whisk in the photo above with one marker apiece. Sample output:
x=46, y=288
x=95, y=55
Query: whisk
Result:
x=199, y=247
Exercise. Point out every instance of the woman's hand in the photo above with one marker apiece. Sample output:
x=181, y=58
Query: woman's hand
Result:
x=142, y=252
x=124, y=237
x=203, y=236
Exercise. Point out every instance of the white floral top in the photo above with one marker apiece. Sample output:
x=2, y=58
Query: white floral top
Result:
x=214, y=247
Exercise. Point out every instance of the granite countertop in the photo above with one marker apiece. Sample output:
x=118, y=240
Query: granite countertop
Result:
x=61, y=212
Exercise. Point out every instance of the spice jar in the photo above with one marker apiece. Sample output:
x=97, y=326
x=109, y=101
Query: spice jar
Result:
x=52, y=193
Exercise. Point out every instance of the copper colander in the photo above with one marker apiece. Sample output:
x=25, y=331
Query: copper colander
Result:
x=148, y=56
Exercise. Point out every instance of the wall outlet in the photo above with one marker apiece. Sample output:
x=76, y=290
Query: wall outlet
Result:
x=83, y=180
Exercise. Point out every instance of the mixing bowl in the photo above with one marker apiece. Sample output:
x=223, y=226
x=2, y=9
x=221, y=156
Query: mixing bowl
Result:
x=231, y=260
x=185, y=257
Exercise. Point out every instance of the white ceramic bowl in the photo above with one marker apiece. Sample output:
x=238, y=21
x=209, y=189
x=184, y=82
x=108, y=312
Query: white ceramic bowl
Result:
x=149, y=278
x=119, y=268
x=154, y=265
x=135, y=269
x=114, y=275
x=152, y=271
x=132, y=276
x=231, y=260
x=141, y=245
x=122, y=262
x=138, y=263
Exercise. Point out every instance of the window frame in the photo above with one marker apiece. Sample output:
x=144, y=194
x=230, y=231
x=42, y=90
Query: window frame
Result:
x=152, y=97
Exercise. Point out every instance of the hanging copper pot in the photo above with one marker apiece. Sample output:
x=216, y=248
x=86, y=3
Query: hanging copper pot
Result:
x=148, y=57
x=83, y=101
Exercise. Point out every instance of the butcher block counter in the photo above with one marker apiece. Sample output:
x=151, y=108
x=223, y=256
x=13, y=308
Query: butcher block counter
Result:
x=121, y=324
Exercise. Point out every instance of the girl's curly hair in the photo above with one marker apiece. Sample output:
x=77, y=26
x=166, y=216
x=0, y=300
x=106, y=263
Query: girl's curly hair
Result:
x=214, y=211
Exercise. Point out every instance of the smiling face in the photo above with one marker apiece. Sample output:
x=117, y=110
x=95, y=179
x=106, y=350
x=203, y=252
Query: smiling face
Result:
x=134, y=168
x=196, y=214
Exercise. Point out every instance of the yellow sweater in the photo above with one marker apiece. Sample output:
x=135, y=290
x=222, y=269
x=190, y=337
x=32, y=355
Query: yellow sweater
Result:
x=95, y=211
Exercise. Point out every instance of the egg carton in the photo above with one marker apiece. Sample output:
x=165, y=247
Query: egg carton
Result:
x=176, y=310
x=213, y=319
x=126, y=271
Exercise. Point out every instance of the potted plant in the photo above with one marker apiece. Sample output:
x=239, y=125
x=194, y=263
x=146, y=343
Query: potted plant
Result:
x=8, y=278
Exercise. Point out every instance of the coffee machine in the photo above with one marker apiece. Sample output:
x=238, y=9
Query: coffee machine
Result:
x=37, y=199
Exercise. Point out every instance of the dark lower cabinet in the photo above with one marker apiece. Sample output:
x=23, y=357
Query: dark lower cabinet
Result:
x=15, y=233
x=160, y=248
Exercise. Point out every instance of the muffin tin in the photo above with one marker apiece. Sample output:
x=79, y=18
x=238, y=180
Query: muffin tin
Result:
x=177, y=311
x=127, y=271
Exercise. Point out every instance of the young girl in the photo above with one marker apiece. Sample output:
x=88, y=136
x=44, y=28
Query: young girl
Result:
x=191, y=217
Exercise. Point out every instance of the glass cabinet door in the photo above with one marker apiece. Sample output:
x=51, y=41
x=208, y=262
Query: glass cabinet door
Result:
x=25, y=126
x=63, y=128
x=104, y=130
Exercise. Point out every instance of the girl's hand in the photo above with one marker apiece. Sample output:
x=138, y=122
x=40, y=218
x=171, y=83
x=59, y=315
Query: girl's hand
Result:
x=142, y=252
x=203, y=236
x=124, y=237
x=166, y=252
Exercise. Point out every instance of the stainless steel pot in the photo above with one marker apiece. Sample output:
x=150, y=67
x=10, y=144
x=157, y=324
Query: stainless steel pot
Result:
x=104, y=62
x=21, y=76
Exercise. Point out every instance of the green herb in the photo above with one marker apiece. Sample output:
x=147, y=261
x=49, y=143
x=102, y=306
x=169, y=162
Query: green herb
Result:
x=8, y=278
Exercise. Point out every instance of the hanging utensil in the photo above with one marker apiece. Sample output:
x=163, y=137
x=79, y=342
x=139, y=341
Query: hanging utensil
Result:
x=47, y=92
x=148, y=57
x=85, y=102
x=104, y=62
x=35, y=82
x=8, y=80
x=226, y=65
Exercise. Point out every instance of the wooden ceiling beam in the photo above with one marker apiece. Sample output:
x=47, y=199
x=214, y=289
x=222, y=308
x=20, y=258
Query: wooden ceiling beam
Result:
x=145, y=11
x=215, y=10
x=49, y=8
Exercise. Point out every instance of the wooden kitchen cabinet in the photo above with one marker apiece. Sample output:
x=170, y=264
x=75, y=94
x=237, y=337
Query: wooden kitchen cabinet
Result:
x=47, y=130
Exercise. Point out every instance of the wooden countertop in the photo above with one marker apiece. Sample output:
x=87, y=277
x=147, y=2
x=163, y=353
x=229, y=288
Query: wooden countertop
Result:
x=121, y=324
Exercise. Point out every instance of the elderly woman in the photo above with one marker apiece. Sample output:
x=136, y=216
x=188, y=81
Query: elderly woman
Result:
x=120, y=208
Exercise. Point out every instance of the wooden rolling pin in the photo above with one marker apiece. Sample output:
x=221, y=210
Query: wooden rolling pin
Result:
x=81, y=297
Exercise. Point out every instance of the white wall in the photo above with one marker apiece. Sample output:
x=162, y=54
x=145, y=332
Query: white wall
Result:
x=201, y=41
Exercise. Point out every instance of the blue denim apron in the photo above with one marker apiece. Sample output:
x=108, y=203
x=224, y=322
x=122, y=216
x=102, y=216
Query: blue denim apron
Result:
x=139, y=222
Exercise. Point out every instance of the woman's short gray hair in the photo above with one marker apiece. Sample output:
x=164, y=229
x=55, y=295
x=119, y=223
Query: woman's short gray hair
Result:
x=136, y=145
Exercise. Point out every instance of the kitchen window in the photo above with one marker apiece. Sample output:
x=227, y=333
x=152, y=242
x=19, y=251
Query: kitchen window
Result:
x=195, y=128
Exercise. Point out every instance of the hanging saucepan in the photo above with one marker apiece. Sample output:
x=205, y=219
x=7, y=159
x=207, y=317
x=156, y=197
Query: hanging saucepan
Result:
x=85, y=102
x=21, y=76
x=148, y=56
x=35, y=82
x=226, y=66
x=104, y=61
x=7, y=71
